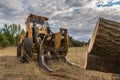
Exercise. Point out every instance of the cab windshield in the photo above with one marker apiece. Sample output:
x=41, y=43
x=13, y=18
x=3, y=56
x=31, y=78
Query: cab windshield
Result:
x=39, y=23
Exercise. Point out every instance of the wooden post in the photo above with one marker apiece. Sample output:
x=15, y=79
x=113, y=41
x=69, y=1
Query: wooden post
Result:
x=76, y=51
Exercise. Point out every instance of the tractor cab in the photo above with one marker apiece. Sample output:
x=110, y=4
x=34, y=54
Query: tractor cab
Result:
x=39, y=23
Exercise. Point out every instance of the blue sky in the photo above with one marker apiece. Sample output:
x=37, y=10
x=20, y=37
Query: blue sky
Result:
x=107, y=3
x=79, y=17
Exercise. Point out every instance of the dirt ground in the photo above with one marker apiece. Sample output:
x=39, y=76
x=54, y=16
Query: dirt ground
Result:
x=12, y=69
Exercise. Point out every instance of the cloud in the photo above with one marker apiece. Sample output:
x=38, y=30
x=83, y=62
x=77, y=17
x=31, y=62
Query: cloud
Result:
x=12, y=12
x=79, y=17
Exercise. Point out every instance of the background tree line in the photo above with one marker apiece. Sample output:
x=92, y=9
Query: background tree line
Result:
x=10, y=34
x=77, y=43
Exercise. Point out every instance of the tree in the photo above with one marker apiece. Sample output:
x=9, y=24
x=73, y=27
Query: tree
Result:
x=19, y=33
x=3, y=41
x=6, y=31
x=12, y=33
x=77, y=43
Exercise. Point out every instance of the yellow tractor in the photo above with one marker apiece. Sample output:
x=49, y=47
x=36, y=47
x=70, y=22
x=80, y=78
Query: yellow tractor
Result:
x=41, y=40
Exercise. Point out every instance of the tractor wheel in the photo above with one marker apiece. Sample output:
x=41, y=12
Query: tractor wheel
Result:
x=27, y=50
x=18, y=51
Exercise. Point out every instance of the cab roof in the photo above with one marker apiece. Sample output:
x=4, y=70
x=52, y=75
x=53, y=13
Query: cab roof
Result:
x=36, y=16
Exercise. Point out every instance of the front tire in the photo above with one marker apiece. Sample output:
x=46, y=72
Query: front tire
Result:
x=27, y=50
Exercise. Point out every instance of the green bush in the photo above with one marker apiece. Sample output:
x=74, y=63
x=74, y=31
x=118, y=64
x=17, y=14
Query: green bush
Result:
x=10, y=35
x=77, y=43
x=3, y=41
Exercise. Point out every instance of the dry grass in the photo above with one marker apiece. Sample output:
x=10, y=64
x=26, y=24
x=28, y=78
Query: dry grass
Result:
x=12, y=69
x=78, y=55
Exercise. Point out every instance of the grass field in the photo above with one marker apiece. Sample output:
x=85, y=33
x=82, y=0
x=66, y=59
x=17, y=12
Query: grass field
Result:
x=78, y=55
x=12, y=69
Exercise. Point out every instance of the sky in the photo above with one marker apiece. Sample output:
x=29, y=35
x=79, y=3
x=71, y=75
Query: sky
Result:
x=78, y=16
